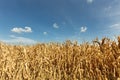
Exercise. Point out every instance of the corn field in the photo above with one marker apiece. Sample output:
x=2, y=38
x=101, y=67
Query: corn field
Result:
x=98, y=60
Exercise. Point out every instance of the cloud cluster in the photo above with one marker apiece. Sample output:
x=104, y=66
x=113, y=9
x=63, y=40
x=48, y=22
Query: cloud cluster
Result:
x=83, y=29
x=55, y=25
x=21, y=30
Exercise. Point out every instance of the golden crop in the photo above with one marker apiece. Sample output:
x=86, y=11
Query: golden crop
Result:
x=61, y=61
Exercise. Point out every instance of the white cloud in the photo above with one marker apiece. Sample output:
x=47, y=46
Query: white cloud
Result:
x=83, y=29
x=20, y=30
x=45, y=33
x=89, y=1
x=19, y=40
x=55, y=25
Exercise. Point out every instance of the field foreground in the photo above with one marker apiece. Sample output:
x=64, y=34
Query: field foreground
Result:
x=61, y=61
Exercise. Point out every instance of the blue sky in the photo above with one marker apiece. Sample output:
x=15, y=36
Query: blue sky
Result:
x=31, y=21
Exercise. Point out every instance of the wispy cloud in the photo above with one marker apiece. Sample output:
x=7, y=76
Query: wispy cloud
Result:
x=69, y=20
x=90, y=1
x=112, y=11
x=115, y=26
x=83, y=29
x=17, y=40
x=12, y=36
x=21, y=30
x=108, y=8
x=55, y=25
x=45, y=33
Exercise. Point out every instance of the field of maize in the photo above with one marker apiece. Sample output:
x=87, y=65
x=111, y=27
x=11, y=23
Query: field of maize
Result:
x=98, y=60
